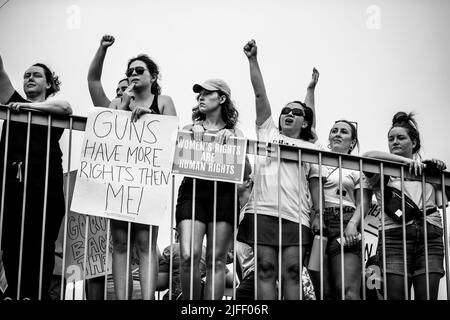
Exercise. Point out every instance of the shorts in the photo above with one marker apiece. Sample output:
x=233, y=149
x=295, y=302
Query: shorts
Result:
x=226, y=204
x=332, y=221
x=267, y=229
x=415, y=250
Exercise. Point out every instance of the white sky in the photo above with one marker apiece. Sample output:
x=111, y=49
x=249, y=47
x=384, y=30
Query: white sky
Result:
x=366, y=74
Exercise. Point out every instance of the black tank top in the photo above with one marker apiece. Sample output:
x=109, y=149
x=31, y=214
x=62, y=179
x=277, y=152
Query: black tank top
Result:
x=154, y=106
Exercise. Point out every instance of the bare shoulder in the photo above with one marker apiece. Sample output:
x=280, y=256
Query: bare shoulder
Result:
x=165, y=99
x=188, y=127
x=166, y=105
x=115, y=104
x=238, y=132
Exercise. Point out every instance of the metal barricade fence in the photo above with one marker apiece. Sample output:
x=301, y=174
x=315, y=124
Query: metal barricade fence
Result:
x=279, y=153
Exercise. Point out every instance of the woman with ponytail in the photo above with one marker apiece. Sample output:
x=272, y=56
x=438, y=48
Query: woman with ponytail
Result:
x=404, y=146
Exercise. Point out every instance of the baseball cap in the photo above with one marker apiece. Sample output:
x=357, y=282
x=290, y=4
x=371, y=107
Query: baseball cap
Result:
x=213, y=85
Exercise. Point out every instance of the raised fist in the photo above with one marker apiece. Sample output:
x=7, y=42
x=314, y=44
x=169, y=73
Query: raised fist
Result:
x=107, y=41
x=250, y=49
x=314, y=79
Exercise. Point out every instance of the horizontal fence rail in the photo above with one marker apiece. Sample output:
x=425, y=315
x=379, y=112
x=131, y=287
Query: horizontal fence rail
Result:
x=278, y=153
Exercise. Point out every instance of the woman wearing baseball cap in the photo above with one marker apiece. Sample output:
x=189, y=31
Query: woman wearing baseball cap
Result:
x=214, y=113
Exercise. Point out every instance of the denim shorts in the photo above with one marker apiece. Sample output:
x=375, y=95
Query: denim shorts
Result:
x=415, y=249
x=332, y=221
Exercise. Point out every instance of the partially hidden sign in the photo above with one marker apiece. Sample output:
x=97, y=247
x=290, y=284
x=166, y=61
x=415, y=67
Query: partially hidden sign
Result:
x=208, y=159
x=125, y=167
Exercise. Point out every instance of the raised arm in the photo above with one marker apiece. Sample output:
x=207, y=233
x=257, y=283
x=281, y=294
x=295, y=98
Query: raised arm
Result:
x=263, y=111
x=309, y=99
x=98, y=96
x=6, y=88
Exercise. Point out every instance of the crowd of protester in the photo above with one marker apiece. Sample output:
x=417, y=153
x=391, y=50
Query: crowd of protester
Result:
x=297, y=200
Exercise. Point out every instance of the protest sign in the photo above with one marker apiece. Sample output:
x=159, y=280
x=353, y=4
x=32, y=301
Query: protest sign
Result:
x=371, y=226
x=208, y=159
x=125, y=167
x=75, y=243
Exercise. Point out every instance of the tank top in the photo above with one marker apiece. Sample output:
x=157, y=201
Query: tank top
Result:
x=154, y=106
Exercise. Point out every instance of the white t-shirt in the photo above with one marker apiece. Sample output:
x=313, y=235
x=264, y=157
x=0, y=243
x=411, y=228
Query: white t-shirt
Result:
x=350, y=179
x=412, y=189
x=266, y=180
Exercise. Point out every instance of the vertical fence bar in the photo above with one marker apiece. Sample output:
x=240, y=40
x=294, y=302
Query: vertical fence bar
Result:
x=24, y=202
x=425, y=235
x=5, y=162
x=362, y=224
x=213, y=275
x=280, y=229
x=127, y=268
x=172, y=213
x=255, y=217
x=44, y=211
x=63, y=265
x=85, y=258
x=300, y=235
x=235, y=237
x=383, y=231
x=191, y=275
x=446, y=243
x=405, y=267
x=341, y=229
x=321, y=267
x=108, y=230
x=150, y=261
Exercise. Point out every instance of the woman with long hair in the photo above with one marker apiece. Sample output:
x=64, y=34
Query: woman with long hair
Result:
x=214, y=113
x=143, y=96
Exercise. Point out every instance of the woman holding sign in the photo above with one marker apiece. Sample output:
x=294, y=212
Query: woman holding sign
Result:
x=294, y=203
x=143, y=96
x=404, y=146
x=26, y=167
x=215, y=113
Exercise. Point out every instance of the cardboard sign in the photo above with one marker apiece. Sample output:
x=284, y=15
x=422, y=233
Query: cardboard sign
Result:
x=75, y=243
x=208, y=159
x=125, y=167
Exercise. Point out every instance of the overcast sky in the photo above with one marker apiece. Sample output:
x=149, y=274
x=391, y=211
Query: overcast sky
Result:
x=375, y=57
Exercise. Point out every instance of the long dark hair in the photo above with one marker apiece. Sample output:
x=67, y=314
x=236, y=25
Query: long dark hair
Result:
x=51, y=78
x=306, y=133
x=152, y=68
x=407, y=121
x=229, y=112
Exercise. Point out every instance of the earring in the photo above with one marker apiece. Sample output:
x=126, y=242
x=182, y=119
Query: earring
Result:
x=329, y=146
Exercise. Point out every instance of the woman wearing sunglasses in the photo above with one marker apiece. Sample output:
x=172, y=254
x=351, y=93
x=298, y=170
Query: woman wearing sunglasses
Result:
x=404, y=146
x=295, y=123
x=143, y=96
x=215, y=113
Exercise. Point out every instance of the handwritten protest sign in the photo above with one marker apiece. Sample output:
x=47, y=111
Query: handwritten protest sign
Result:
x=124, y=170
x=75, y=243
x=96, y=249
x=208, y=159
x=371, y=226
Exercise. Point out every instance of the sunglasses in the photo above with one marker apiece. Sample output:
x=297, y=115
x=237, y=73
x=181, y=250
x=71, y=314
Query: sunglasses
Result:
x=139, y=71
x=295, y=111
